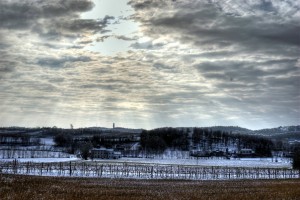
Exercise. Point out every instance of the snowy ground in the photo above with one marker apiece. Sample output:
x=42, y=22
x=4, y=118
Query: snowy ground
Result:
x=242, y=162
x=47, y=141
x=150, y=168
x=44, y=160
x=134, y=169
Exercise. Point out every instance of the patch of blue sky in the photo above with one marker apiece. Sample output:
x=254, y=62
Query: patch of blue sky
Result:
x=119, y=9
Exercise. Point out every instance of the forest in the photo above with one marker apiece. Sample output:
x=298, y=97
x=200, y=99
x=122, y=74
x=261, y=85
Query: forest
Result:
x=213, y=142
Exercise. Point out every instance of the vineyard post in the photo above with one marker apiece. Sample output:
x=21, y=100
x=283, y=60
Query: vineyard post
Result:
x=83, y=169
x=60, y=168
x=15, y=167
x=152, y=172
x=41, y=169
x=70, y=168
x=27, y=167
x=96, y=173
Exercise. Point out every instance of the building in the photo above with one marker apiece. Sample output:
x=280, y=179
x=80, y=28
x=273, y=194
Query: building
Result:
x=246, y=153
x=104, y=153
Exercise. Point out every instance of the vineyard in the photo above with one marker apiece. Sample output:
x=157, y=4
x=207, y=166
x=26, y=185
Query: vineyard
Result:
x=32, y=153
x=144, y=171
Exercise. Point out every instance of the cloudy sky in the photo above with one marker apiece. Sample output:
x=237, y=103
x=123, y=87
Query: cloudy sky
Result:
x=150, y=63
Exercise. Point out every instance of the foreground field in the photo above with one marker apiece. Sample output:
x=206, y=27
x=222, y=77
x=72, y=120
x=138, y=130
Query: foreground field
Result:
x=33, y=187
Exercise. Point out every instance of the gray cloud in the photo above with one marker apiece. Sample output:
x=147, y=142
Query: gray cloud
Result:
x=203, y=23
x=249, y=33
x=147, y=45
x=145, y=4
x=21, y=14
x=122, y=37
x=61, y=62
x=119, y=37
x=52, y=20
x=247, y=71
x=7, y=66
x=57, y=29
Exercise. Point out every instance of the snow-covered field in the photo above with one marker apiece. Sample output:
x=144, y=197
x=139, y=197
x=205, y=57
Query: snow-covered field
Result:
x=136, y=170
x=242, y=162
x=47, y=141
x=42, y=160
x=154, y=168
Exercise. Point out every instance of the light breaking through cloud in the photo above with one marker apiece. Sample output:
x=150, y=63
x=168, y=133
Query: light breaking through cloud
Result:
x=147, y=64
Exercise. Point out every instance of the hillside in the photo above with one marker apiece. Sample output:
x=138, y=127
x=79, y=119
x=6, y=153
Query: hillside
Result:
x=281, y=132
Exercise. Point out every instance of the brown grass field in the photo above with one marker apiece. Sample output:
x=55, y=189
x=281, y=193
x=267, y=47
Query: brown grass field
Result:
x=34, y=187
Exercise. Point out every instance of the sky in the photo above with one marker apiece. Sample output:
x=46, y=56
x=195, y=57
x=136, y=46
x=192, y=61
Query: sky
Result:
x=150, y=63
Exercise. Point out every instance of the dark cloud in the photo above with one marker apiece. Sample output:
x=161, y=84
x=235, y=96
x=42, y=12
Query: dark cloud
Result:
x=249, y=33
x=16, y=14
x=6, y=69
x=61, y=62
x=250, y=75
x=269, y=67
x=283, y=82
x=53, y=20
x=266, y=6
x=147, y=45
x=7, y=66
x=144, y=4
x=123, y=37
x=102, y=38
x=81, y=25
x=119, y=37
x=57, y=29
x=205, y=24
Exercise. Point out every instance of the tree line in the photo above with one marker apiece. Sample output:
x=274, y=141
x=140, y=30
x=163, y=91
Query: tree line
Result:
x=207, y=139
x=15, y=139
x=158, y=140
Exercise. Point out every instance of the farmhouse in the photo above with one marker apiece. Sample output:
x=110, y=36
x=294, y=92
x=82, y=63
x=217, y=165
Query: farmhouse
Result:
x=246, y=153
x=104, y=153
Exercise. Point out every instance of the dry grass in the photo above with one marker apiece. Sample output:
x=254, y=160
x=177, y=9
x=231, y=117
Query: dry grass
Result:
x=33, y=187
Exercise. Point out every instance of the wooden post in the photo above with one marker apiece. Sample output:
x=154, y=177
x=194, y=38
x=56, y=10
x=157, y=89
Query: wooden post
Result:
x=15, y=166
x=152, y=172
x=60, y=168
x=41, y=169
x=70, y=169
